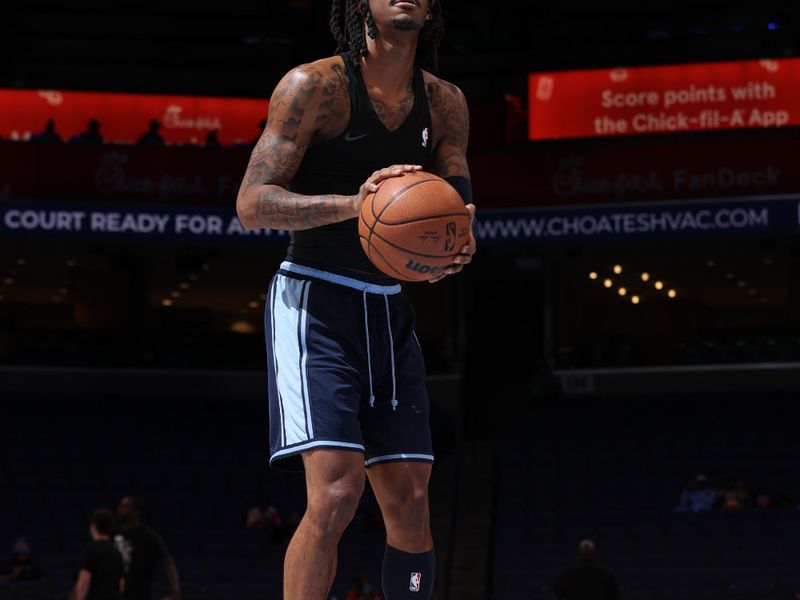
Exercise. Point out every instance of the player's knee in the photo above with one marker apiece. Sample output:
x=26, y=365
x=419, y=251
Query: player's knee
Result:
x=407, y=520
x=334, y=506
x=409, y=506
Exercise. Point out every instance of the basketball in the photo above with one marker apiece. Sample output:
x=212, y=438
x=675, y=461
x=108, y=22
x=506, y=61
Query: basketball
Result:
x=413, y=226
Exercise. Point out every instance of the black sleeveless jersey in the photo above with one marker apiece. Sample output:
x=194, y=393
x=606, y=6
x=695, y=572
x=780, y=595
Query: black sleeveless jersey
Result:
x=342, y=164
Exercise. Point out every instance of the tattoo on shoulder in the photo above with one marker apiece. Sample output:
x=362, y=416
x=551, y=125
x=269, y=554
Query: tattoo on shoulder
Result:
x=334, y=99
x=307, y=98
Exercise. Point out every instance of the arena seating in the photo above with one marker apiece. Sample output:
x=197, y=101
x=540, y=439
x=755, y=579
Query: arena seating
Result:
x=612, y=470
x=607, y=469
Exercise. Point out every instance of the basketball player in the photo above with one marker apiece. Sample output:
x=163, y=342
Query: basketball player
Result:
x=346, y=374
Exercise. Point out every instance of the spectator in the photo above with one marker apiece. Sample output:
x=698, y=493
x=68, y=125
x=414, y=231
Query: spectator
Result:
x=363, y=589
x=101, y=576
x=49, y=134
x=21, y=566
x=766, y=498
x=732, y=495
x=151, y=137
x=90, y=136
x=141, y=550
x=263, y=515
x=586, y=580
x=697, y=496
x=763, y=500
x=211, y=140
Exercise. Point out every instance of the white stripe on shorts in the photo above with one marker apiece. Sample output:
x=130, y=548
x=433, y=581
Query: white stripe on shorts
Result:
x=274, y=360
x=397, y=457
x=304, y=359
x=289, y=325
x=315, y=444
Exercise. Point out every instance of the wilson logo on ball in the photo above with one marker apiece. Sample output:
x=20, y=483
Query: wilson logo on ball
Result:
x=421, y=268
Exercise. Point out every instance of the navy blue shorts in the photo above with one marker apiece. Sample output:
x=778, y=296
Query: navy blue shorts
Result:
x=346, y=371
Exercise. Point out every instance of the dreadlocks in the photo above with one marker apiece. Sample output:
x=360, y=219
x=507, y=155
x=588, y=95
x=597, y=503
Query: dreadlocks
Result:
x=347, y=26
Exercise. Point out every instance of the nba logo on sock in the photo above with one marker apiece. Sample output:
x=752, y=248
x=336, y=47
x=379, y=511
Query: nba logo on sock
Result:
x=413, y=586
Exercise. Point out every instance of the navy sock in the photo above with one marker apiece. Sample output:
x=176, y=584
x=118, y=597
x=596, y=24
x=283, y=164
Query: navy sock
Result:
x=408, y=576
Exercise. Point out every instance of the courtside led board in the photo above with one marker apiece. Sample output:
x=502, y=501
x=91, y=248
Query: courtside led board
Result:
x=664, y=99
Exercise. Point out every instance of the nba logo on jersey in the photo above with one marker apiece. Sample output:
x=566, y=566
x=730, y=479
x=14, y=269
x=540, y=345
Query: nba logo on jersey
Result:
x=425, y=138
x=413, y=585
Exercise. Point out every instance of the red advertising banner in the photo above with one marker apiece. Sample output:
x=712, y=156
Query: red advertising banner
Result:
x=537, y=175
x=669, y=99
x=125, y=117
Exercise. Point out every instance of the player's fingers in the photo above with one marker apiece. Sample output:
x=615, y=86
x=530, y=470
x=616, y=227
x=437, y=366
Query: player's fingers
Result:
x=471, y=210
x=451, y=270
x=389, y=172
x=403, y=168
x=382, y=175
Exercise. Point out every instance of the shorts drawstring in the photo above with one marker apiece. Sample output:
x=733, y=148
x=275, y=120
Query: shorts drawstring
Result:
x=391, y=348
x=369, y=353
x=369, y=357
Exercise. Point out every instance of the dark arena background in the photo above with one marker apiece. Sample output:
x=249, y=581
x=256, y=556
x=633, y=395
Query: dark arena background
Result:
x=620, y=363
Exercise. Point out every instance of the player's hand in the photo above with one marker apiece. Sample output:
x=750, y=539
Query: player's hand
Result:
x=466, y=254
x=371, y=185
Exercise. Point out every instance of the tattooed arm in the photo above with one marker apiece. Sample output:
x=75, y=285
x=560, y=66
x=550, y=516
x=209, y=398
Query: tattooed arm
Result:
x=451, y=135
x=451, y=129
x=304, y=103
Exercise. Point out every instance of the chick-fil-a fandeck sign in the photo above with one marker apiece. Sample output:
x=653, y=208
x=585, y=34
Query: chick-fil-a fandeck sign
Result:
x=664, y=99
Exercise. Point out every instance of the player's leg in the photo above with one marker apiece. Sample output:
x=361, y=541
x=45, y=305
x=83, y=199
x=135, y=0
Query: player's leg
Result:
x=399, y=453
x=335, y=483
x=401, y=489
x=318, y=370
